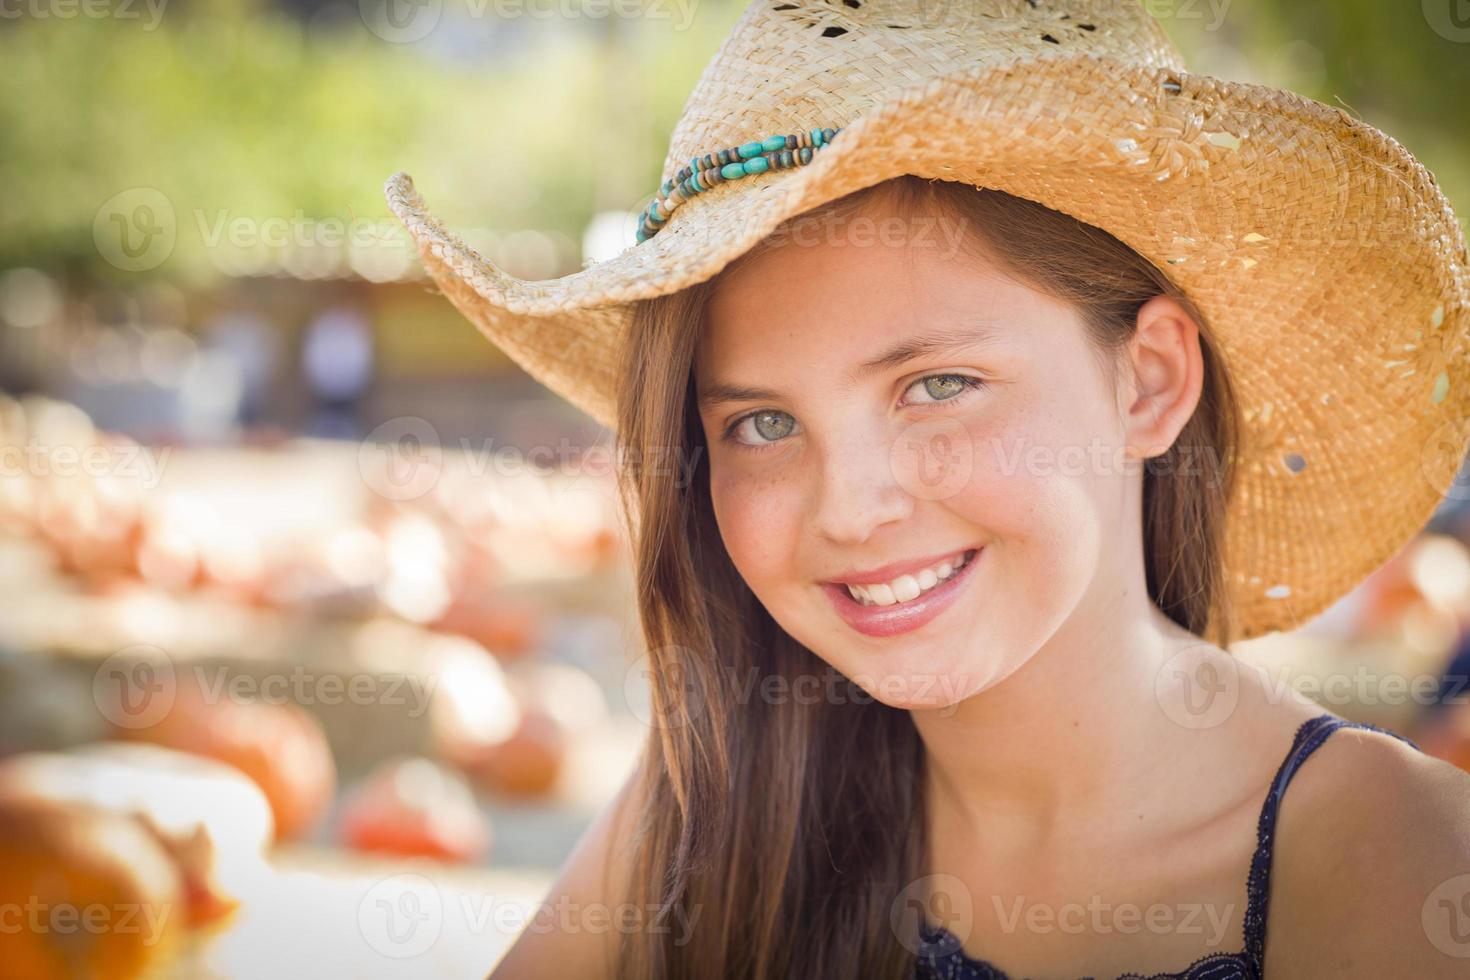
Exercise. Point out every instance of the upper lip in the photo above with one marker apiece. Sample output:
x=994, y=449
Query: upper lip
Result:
x=891, y=571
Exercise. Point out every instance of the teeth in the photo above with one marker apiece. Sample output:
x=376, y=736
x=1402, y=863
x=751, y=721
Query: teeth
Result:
x=907, y=587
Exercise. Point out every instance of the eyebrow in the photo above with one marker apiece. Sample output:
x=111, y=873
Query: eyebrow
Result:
x=970, y=334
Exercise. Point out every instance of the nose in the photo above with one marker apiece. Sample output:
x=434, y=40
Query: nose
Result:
x=856, y=490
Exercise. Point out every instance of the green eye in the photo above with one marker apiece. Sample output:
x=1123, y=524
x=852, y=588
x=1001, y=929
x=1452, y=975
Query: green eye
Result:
x=946, y=387
x=942, y=386
x=773, y=425
x=769, y=426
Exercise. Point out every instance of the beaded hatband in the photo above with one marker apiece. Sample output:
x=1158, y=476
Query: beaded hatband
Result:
x=702, y=173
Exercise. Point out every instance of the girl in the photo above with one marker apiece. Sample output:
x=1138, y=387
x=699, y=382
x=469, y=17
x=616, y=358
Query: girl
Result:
x=938, y=631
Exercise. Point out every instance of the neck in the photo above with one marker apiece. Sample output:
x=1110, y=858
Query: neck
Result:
x=1065, y=747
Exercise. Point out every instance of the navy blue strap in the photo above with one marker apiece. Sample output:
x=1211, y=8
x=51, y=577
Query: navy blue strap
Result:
x=1309, y=735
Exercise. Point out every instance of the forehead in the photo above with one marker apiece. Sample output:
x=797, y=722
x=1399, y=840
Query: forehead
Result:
x=840, y=297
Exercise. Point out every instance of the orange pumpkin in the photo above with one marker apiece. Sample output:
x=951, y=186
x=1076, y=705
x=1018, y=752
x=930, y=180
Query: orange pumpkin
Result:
x=414, y=807
x=1447, y=737
x=213, y=821
x=524, y=745
x=509, y=630
x=84, y=892
x=282, y=747
x=529, y=762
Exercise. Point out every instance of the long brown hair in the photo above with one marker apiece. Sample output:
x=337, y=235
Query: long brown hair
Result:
x=756, y=822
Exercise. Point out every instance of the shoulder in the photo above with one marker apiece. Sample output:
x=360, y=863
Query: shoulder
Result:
x=1372, y=853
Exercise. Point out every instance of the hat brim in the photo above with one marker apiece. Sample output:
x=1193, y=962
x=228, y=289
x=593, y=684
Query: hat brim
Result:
x=1322, y=254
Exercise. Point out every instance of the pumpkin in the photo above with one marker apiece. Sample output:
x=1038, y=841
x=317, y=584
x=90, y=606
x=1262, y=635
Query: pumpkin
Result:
x=214, y=823
x=529, y=763
x=558, y=703
x=1447, y=735
x=473, y=708
x=509, y=630
x=414, y=807
x=517, y=741
x=84, y=892
x=280, y=746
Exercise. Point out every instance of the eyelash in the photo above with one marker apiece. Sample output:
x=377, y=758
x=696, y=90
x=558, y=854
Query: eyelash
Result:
x=970, y=383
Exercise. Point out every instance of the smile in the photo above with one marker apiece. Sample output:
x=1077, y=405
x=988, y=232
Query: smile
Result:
x=906, y=588
x=904, y=602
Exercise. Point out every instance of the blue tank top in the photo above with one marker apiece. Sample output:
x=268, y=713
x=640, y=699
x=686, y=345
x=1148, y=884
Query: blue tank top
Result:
x=941, y=957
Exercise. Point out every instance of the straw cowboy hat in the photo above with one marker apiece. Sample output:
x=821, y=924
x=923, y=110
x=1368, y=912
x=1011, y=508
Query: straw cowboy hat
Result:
x=1323, y=255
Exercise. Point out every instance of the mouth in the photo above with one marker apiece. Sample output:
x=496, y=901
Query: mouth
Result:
x=906, y=602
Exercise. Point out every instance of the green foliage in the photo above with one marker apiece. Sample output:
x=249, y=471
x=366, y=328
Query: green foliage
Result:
x=1383, y=62
x=251, y=115
x=234, y=110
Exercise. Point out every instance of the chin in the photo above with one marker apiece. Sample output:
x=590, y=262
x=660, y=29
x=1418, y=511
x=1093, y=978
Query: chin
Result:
x=917, y=689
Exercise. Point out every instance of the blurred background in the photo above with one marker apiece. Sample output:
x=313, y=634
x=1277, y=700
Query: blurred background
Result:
x=316, y=625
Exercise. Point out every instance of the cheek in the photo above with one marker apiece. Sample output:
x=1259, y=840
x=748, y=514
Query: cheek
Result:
x=759, y=519
x=1033, y=492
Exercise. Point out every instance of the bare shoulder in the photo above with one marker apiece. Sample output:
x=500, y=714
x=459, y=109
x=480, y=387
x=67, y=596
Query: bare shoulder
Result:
x=575, y=934
x=1371, y=868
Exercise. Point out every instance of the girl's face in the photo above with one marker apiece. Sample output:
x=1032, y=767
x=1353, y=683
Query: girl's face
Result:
x=874, y=414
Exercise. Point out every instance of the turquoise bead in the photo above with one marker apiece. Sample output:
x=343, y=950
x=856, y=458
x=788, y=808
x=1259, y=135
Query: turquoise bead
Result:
x=772, y=153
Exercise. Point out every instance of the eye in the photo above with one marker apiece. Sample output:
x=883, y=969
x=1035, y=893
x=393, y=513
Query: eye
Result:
x=944, y=387
x=769, y=427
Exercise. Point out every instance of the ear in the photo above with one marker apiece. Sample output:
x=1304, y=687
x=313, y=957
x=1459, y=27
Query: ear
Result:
x=1167, y=376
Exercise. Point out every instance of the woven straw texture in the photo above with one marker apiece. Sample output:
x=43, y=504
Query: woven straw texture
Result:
x=1321, y=252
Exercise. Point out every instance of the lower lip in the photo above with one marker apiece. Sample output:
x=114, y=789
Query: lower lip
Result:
x=902, y=617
